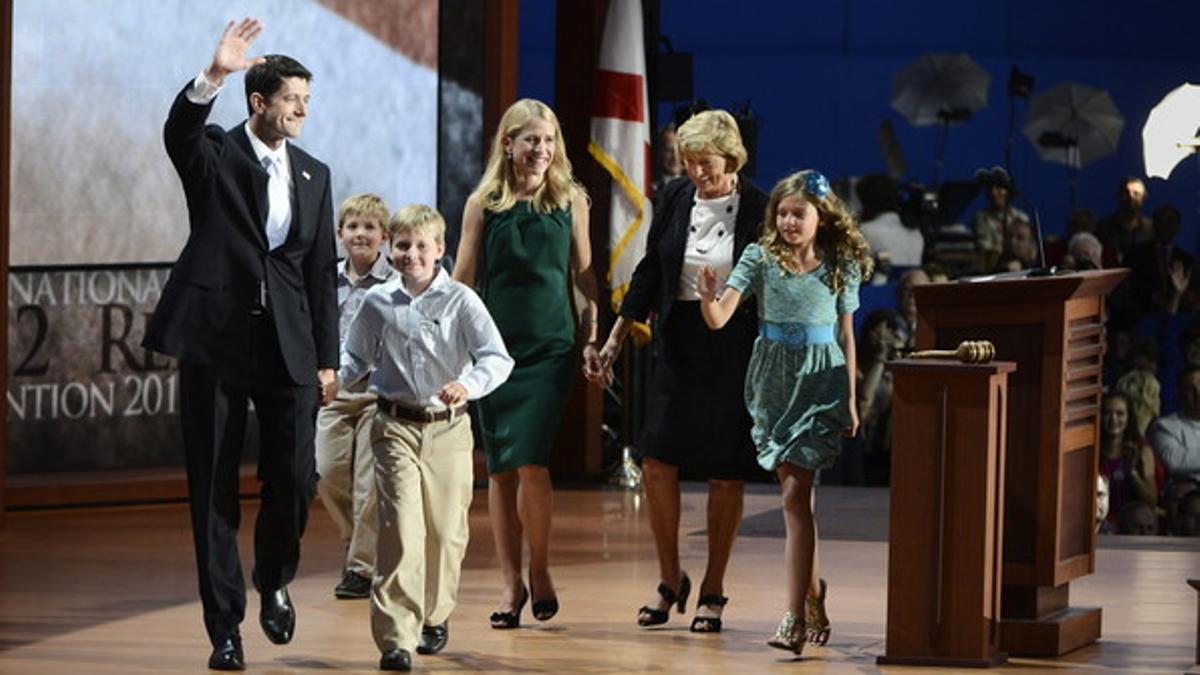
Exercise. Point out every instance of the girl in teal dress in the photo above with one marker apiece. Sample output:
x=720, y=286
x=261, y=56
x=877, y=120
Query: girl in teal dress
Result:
x=804, y=275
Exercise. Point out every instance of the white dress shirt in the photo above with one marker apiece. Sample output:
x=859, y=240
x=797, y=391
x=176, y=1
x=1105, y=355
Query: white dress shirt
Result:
x=274, y=161
x=410, y=347
x=1176, y=439
x=886, y=233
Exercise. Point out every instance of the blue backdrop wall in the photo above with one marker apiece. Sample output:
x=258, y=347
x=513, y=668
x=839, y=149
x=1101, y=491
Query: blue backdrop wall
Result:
x=819, y=77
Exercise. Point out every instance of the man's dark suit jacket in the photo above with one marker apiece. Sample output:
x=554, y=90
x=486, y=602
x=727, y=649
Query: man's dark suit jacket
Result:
x=204, y=315
x=655, y=281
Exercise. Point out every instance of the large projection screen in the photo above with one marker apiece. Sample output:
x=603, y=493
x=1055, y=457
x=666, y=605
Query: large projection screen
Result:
x=92, y=83
x=97, y=213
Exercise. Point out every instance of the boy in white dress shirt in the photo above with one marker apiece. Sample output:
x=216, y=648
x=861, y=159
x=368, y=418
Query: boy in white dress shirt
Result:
x=427, y=345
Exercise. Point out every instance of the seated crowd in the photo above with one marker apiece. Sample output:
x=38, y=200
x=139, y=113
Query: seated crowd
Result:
x=1150, y=430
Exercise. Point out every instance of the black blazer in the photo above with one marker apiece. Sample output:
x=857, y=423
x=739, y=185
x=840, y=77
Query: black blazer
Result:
x=655, y=281
x=203, y=316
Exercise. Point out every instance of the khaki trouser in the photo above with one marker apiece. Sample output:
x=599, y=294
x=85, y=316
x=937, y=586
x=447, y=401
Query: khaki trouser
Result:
x=347, y=471
x=424, y=475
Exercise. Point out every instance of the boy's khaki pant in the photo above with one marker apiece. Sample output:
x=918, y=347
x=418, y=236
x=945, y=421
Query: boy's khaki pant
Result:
x=424, y=475
x=347, y=471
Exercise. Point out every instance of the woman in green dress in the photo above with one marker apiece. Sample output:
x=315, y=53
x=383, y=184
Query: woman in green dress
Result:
x=524, y=234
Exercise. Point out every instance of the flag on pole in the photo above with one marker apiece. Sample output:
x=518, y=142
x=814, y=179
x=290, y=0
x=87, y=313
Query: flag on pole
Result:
x=621, y=140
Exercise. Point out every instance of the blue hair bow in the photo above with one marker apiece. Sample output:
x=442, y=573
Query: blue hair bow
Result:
x=816, y=184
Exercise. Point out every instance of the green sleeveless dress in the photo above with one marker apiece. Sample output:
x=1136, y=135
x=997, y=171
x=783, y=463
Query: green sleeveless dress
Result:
x=526, y=254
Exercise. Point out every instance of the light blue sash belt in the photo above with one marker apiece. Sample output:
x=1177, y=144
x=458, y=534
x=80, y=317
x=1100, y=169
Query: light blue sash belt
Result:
x=797, y=334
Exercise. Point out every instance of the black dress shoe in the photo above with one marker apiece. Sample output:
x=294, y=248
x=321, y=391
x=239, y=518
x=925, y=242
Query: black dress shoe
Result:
x=277, y=616
x=227, y=654
x=434, y=638
x=396, y=659
x=354, y=586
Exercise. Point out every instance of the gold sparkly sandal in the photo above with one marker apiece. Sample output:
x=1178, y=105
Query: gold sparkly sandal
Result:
x=815, y=617
x=790, y=634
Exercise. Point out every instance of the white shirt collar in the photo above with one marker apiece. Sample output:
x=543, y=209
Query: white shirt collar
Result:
x=262, y=150
x=440, y=279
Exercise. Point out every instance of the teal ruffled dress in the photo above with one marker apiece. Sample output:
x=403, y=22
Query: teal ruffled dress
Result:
x=796, y=385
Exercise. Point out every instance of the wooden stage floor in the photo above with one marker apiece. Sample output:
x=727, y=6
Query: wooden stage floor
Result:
x=113, y=591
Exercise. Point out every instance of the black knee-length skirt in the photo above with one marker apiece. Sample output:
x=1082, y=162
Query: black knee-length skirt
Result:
x=696, y=415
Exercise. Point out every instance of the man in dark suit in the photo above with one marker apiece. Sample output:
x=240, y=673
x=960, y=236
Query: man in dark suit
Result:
x=250, y=311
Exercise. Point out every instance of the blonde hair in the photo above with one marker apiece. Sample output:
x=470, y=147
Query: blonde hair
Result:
x=495, y=190
x=713, y=131
x=365, y=204
x=419, y=217
x=839, y=241
x=1142, y=391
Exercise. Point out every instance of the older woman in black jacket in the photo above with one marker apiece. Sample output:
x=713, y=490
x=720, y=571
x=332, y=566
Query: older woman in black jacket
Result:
x=696, y=420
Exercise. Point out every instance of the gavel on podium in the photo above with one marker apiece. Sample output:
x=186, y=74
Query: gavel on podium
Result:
x=968, y=351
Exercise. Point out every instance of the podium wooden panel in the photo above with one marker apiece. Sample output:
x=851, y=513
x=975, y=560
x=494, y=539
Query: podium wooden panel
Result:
x=1053, y=328
x=947, y=513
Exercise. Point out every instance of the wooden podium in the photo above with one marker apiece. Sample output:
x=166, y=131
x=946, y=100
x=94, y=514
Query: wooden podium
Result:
x=1053, y=328
x=947, y=512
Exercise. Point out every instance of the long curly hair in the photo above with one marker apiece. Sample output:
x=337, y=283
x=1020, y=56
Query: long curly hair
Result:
x=496, y=192
x=839, y=241
x=1131, y=440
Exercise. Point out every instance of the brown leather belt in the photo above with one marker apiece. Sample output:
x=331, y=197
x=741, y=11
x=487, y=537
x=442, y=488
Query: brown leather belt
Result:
x=419, y=415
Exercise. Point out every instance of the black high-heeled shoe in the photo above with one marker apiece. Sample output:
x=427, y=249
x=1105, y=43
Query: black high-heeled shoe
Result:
x=653, y=616
x=709, y=624
x=504, y=620
x=543, y=610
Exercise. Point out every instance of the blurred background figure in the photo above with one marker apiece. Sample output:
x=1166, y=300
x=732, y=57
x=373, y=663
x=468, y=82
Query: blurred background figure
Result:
x=1137, y=518
x=1084, y=252
x=1127, y=225
x=669, y=165
x=992, y=221
x=1126, y=459
x=880, y=222
x=1021, y=243
x=1141, y=389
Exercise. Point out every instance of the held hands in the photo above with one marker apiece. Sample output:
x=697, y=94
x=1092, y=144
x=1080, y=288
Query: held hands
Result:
x=452, y=393
x=230, y=55
x=598, y=370
x=329, y=386
x=594, y=367
x=707, y=283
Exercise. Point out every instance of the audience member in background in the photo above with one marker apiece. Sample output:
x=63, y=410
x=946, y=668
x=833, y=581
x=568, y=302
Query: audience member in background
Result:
x=1084, y=252
x=992, y=221
x=1188, y=523
x=883, y=336
x=936, y=271
x=906, y=302
x=1021, y=243
x=886, y=233
x=669, y=166
x=1118, y=355
x=1137, y=518
x=1103, y=525
x=1141, y=388
x=1127, y=226
x=1126, y=460
x=343, y=441
x=1079, y=220
x=1172, y=499
x=1008, y=263
x=1144, y=355
x=1176, y=437
x=1162, y=272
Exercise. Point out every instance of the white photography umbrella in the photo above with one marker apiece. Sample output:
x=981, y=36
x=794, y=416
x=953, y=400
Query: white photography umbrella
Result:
x=1170, y=132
